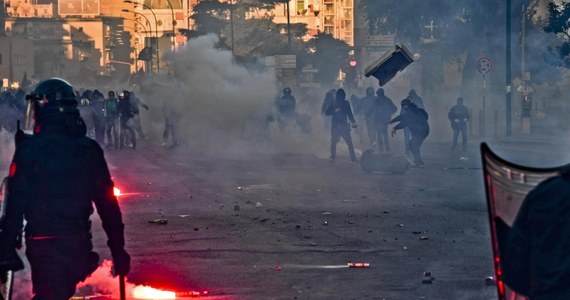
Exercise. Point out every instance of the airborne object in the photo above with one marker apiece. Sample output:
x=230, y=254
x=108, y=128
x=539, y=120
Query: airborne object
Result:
x=392, y=62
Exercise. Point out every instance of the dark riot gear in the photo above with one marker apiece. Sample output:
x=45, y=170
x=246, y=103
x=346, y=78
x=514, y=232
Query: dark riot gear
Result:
x=52, y=105
x=53, y=95
x=57, y=177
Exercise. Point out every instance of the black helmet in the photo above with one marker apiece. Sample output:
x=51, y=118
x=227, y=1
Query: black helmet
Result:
x=406, y=102
x=287, y=90
x=53, y=95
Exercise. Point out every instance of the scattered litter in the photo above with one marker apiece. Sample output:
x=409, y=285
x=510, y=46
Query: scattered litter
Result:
x=416, y=232
x=278, y=268
x=350, y=222
x=401, y=225
x=405, y=248
x=149, y=183
x=258, y=204
x=196, y=229
x=298, y=226
x=183, y=216
x=159, y=221
x=239, y=188
x=236, y=210
x=325, y=213
x=423, y=238
x=358, y=265
x=386, y=211
x=427, y=278
x=325, y=223
x=490, y=281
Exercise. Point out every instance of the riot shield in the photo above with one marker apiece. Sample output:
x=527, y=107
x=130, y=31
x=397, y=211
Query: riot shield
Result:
x=506, y=185
x=6, y=278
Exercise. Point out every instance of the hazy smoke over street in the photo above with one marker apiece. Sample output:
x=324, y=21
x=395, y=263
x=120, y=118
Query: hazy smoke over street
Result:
x=224, y=105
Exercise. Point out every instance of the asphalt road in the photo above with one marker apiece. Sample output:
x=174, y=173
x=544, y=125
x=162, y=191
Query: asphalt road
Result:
x=265, y=224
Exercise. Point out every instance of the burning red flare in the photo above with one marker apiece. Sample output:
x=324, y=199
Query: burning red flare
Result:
x=146, y=292
x=116, y=191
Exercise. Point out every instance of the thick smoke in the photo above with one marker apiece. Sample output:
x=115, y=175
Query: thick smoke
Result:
x=226, y=107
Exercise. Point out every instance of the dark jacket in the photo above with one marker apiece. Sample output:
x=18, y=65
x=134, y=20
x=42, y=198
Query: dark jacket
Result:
x=340, y=118
x=382, y=110
x=413, y=118
x=458, y=115
x=55, y=178
x=286, y=104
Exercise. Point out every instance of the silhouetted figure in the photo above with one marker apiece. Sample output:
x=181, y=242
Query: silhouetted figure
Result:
x=381, y=113
x=56, y=177
x=459, y=116
x=341, y=116
x=285, y=106
x=415, y=119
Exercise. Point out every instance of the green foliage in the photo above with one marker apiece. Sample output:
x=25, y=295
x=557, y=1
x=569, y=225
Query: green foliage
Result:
x=558, y=24
x=330, y=55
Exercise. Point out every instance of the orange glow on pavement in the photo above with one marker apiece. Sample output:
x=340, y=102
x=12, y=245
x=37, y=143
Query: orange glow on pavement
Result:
x=146, y=292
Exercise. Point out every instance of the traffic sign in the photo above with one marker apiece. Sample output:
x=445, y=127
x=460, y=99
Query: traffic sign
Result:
x=484, y=65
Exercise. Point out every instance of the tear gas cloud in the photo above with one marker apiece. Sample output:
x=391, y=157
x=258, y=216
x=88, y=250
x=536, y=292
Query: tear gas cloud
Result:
x=225, y=106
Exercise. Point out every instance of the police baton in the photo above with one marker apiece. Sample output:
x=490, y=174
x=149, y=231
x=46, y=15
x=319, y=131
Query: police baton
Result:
x=122, y=287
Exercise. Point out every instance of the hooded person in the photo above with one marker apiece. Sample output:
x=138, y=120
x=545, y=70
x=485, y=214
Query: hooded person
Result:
x=415, y=119
x=55, y=177
x=341, y=114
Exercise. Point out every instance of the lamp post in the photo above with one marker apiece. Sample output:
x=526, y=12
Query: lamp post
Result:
x=145, y=30
x=508, y=79
x=149, y=24
x=232, y=24
x=141, y=39
x=155, y=26
x=173, y=23
x=288, y=26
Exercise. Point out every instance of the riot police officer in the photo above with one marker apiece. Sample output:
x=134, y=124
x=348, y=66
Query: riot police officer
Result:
x=56, y=176
x=285, y=109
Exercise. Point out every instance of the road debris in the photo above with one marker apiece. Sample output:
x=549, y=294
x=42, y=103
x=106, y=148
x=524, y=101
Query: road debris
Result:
x=159, y=221
x=358, y=265
x=427, y=278
x=490, y=281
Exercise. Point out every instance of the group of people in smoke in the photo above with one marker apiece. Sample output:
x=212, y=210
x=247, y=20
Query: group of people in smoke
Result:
x=114, y=119
x=376, y=111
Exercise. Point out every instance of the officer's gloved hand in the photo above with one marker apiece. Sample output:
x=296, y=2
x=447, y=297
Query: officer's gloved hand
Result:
x=10, y=261
x=354, y=125
x=121, y=262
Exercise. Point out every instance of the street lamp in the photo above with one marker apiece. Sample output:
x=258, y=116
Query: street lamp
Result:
x=155, y=26
x=149, y=24
x=140, y=37
x=173, y=23
x=144, y=28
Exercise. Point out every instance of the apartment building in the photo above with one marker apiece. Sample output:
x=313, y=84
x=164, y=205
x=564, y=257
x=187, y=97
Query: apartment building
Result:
x=335, y=17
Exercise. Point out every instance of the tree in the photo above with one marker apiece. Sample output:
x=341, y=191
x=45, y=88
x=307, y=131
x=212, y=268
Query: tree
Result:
x=329, y=56
x=254, y=32
x=558, y=23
